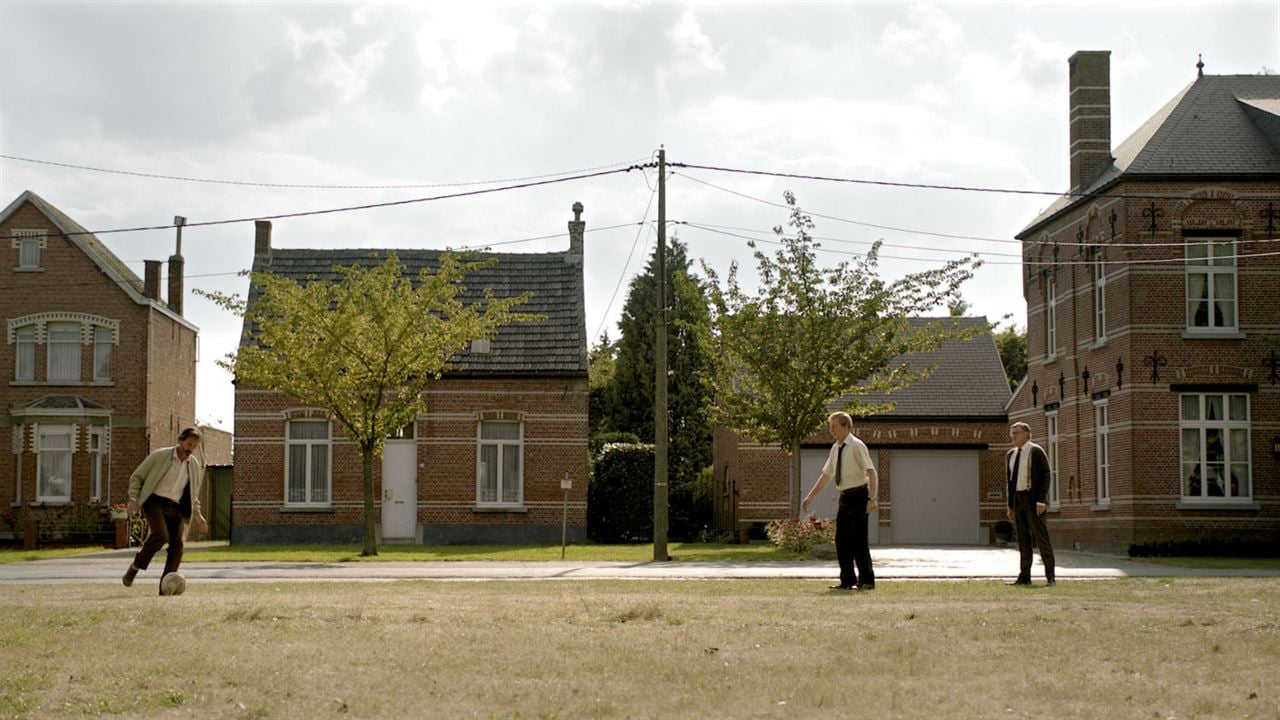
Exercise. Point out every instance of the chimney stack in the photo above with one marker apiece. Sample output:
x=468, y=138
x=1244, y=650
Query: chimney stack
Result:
x=577, y=228
x=151, y=286
x=262, y=239
x=1089, y=84
x=176, y=265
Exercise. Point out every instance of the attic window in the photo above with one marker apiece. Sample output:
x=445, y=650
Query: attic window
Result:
x=28, y=243
x=481, y=347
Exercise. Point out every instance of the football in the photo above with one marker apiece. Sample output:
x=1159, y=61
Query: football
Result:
x=173, y=584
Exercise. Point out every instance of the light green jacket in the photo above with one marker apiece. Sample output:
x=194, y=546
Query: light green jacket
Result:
x=143, y=481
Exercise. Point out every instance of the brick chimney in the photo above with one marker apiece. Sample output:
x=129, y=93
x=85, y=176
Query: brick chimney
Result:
x=1089, y=100
x=577, y=228
x=262, y=239
x=151, y=285
x=176, y=265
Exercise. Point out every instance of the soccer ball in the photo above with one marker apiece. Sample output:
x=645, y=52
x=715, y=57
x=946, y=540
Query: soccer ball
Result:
x=173, y=584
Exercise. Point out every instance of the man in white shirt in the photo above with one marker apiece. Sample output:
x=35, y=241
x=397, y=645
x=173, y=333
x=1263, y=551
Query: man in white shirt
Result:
x=1027, y=469
x=849, y=464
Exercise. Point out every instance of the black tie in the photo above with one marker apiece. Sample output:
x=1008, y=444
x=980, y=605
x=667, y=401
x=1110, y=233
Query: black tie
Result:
x=1017, y=463
x=839, y=465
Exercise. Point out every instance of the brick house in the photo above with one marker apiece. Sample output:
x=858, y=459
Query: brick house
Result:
x=483, y=464
x=939, y=454
x=98, y=370
x=1150, y=291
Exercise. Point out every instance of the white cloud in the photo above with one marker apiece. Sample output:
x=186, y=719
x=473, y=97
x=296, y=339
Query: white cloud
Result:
x=692, y=48
x=929, y=33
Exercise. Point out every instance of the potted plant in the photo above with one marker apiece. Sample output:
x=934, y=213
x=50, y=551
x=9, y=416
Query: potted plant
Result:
x=120, y=511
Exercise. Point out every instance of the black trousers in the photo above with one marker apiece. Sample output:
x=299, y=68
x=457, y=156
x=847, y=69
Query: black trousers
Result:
x=1031, y=530
x=167, y=525
x=851, y=538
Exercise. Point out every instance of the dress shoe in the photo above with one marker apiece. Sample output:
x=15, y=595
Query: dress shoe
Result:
x=1019, y=581
x=843, y=587
x=863, y=587
x=1050, y=582
x=129, y=575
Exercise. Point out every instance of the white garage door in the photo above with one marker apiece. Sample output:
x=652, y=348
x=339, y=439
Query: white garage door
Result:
x=935, y=497
x=824, y=506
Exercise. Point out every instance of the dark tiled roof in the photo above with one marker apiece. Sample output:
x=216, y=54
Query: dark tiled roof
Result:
x=968, y=379
x=1219, y=125
x=554, y=345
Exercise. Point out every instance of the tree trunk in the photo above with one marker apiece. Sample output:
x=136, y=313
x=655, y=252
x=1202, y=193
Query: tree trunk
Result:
x=793, y=464
x=370, y=521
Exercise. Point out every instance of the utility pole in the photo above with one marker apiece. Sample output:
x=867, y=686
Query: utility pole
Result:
x=660, y=374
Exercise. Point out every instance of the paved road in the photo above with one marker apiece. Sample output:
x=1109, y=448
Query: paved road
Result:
x=891, y=563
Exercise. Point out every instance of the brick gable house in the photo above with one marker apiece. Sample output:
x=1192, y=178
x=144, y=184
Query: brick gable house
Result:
x=483, y=464
x=97, y=370
x=1152, y=383
x=939, y=455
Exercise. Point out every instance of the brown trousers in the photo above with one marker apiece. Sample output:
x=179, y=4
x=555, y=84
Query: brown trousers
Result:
x=166, y=525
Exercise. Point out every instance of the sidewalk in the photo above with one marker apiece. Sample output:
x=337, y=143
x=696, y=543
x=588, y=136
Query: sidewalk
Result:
x=891, y=563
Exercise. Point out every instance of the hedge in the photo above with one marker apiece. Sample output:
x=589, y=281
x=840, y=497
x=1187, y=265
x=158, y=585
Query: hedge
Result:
x=620, y=495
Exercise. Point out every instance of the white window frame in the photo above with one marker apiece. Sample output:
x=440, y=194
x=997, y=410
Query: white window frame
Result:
x=29, y=243
x=1051, y=316
x=95, y=449
x=503, y=482
x=310, y=481
x=51, y=345
x=1099, y=297
x=103, y=340
x=1202, y=426
x=1052, y=446
x=45, y=456
x=1102, y=450
x=24, y=354
x=1219, y=261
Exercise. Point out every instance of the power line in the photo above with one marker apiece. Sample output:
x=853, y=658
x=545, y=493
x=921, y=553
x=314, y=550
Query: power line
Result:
x=929, y=186
x=248, y=183
x=627, y=264
x=852, y=242
x=949, y=236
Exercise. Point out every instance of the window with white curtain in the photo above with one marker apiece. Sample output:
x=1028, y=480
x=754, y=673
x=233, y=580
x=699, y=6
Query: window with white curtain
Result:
x=1051, y=449
x=64, y=351
x=1215, y=447
x=1099, y=296
x=25, y=353
x=307, y=459
x=28, y=243
x=1051, y=317
x=96, y=462
x=53, y=450
x=1211, y=283
x=102, y=342
x=500, y=477
x=1102, y=450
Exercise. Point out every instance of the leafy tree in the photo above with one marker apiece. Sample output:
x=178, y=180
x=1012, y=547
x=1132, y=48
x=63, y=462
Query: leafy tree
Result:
x=602, y=363
x=1011, y=343
x=958, y=307
x=629, y=405
x=364, y=346
x=813, y=336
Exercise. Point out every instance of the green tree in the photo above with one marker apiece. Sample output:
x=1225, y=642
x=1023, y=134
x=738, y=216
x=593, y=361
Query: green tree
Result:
x=364, y=346
x=958, y=307
x=601, y=363
x=629, y=406
x=813, y=336
x=1011, y=343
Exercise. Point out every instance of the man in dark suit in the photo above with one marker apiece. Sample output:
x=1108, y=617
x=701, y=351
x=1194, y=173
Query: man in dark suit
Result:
x=1027, y=469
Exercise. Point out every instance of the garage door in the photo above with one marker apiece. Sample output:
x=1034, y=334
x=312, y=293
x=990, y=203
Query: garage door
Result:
x=824, y=506
x=935, y=497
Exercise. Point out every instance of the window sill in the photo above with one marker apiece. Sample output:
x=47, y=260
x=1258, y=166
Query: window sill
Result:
x=1049, y=359
x=1213, y=335
x=294, y=509
x=1101, y=507
x=1219, y=506
x=51, y=503
x=1099, y=343
x=61, y=383
x=500, y=509
x=28, y=268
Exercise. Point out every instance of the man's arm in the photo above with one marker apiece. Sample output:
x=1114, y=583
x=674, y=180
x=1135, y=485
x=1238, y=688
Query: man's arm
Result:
x=873, y=489
x=136, y=479
x=817, y=488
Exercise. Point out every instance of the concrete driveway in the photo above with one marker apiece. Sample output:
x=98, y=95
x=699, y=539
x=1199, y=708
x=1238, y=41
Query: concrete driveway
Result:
x=892, y=563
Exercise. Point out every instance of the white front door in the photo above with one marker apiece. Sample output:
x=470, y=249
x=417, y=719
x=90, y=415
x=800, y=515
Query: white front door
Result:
x=827, y=502
x=399, y=490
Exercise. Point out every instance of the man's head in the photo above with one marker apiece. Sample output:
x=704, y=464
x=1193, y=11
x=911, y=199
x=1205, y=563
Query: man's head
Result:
x=1019, y=433
x=840, y=424
x=188, y=439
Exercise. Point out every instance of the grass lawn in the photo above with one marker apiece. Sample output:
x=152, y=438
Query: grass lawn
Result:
x=1220, y=563
x=12, y=555
x=1134, y=648
x=623, y=553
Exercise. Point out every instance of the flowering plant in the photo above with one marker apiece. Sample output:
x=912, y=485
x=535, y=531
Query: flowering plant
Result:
x=119, y=509
x=800, y=535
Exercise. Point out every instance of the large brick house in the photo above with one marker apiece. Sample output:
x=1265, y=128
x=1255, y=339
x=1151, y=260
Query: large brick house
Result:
x=97, y=370
x=483, y=464
x=1151, y=289
x=939, y=454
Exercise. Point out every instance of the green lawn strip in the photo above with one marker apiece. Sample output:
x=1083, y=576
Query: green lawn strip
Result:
x=13, y=555
x=1216, y=563
x=605, y=649
x=698, y=552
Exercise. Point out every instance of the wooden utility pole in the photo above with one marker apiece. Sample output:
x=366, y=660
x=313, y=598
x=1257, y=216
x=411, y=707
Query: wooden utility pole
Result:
x=660, y=374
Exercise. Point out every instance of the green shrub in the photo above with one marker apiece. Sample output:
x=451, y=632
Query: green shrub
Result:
x=620, y=494
x=597, y=442
x=1205, y=548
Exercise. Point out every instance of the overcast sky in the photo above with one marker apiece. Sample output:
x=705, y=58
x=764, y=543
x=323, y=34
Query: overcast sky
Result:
x=385, y=95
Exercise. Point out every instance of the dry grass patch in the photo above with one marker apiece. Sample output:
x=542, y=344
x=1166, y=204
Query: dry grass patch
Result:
x=621, y=649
